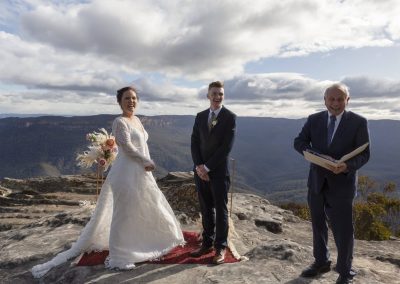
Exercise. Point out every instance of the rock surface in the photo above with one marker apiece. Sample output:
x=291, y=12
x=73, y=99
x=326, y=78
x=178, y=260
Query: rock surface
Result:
x=41, y=217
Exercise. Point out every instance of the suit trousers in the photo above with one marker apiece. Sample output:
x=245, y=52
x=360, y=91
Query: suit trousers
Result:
x=213, y=199
x=326, y=206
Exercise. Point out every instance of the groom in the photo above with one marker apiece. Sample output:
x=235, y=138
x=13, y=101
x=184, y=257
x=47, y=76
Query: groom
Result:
x=211, y=141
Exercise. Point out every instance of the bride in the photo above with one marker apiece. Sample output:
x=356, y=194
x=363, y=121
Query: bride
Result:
x=132, y=218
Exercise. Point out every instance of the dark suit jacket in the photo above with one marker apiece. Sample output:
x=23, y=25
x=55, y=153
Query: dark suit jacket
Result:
x=212, y=147
x=351, y=133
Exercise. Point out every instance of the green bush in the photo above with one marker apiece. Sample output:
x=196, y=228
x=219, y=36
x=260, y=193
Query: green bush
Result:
x=299, y=210
x=368, y=224
x=376, y=214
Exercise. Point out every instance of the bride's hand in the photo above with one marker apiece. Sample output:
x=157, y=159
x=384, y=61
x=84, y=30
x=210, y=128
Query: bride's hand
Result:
x=150, y=167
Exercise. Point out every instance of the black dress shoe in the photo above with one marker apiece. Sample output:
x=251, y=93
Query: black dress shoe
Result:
x=352, y=272
x=316, y=269
x=201, y=251
x=344, y=279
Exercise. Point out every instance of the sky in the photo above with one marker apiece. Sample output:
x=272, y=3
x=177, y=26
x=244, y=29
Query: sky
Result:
x=275, y=57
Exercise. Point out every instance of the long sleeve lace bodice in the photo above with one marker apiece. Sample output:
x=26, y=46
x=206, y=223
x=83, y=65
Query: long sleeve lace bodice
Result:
x=125, y=140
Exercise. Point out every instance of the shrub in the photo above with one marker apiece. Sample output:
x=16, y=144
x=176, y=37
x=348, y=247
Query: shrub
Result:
x=365, y=186
x=376, y=214
x=384, y=218
x=368, y=224
x=299, y=210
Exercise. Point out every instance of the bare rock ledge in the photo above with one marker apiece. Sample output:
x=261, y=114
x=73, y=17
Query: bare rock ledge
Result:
x=43, y=216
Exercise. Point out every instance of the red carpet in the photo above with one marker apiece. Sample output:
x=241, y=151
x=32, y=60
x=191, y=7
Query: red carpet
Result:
x=177, y=255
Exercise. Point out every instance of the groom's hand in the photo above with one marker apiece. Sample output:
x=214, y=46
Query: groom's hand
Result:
x=204, y=177
x=202, y=172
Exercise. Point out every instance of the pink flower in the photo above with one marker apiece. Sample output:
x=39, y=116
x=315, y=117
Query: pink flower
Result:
x=102, y=162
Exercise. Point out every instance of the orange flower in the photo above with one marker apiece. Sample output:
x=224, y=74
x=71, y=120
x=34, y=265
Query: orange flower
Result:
x=110, y=142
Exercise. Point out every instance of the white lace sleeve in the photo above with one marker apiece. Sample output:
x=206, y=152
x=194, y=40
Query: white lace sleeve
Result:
x=122, y=137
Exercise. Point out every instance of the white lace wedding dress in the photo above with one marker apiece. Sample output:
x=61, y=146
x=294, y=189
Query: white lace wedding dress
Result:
x=132, y=218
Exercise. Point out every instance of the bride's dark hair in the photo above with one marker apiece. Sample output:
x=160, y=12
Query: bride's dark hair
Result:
x=121, y=91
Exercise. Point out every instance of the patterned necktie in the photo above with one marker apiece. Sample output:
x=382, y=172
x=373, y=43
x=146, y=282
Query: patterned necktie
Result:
x=331, y=128
x=211, y=121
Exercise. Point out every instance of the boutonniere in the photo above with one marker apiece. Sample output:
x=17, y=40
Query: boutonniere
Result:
x=214, y=122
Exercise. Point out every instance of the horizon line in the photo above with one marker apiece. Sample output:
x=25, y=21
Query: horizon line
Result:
x=37, y=115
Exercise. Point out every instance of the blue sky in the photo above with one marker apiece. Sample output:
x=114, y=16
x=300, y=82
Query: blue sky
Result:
x=378, y=62
x=276, y=57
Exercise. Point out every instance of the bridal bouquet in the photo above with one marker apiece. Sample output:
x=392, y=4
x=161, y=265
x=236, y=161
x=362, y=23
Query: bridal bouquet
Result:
x=102, y=150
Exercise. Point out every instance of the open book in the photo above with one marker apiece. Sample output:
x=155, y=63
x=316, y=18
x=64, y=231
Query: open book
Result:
x=324, y=161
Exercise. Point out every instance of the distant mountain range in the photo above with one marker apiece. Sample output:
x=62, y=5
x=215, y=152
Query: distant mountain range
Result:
x=264, y=156
x=4, y=115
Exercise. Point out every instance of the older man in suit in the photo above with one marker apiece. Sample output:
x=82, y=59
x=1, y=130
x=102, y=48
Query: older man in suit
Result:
x=334, y=132
x=211, y=141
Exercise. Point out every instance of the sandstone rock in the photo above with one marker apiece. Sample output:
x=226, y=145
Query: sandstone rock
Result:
x=4, y=191
x=5, y=227
x=35, y=232
x=242, y=216
x=271, y=225
x=279, y=249
x=180, y=191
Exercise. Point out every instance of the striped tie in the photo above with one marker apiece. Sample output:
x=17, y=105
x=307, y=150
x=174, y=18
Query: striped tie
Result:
x=210, y=126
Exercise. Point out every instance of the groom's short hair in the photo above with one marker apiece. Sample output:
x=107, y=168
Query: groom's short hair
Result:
x=216, y=84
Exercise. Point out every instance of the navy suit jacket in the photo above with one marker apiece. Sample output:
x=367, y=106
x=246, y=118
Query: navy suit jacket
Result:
x=351, y=133
x=212, y=148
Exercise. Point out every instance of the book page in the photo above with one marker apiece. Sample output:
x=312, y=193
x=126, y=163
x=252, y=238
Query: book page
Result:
x=354, y=153
x=320, y=160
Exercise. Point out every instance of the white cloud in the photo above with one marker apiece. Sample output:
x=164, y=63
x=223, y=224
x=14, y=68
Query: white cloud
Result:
x=274, y=86
x=164, y=92
x=363, y=86
x=275, y=95
x=36, y=65
x=73, y=55
x=204, y=39
x=286, y=86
